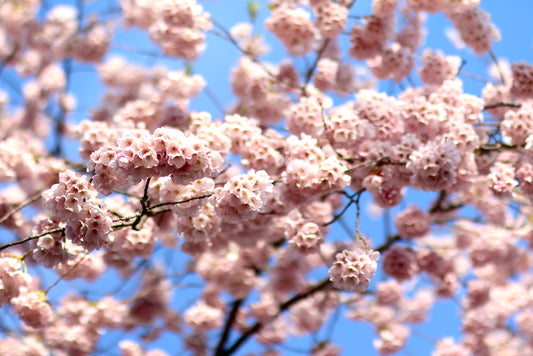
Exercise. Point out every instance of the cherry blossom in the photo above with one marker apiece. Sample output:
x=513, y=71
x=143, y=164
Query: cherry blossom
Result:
x=145, y=199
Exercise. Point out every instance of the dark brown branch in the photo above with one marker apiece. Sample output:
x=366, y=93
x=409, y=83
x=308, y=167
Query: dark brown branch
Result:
x=312, y=69
x=497, y=105
x=390, y=241
x=145, y=201
x=326, y=283
x=227, y=327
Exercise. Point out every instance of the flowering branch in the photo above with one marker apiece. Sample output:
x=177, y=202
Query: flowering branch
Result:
x=20, y=242
x=254, y=329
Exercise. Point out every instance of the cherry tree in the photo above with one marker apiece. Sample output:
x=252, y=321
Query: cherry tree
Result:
x=145, y=225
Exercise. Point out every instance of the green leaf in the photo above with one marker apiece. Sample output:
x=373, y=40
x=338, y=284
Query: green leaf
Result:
x=253, y=9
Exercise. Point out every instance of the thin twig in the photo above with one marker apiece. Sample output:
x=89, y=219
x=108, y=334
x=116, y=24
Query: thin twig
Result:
x=21, y=206
x=497, y=63
x=20, y=242
x=66, y=273
x=351, y=201
x=181, y=201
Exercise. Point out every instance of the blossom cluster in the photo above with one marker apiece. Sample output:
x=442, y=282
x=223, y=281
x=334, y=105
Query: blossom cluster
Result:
x=241, y=207
x=75, y=201
x=137, y=155
x=353, y=270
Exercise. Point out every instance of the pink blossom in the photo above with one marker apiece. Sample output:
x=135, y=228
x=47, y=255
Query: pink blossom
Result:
x=110, y=312
x=475, y=29
x=211, y=132
x=412, y=33
x=293, y=27
x=261, y=97
x=479, y=321
x=307, y=116
x=305, y=181
x=71, y=196
x=198, y=231
x=305, y=148
x=384, y=8
x=151, y=299
x=89, y=267
x=264, y=152
x=417, y=309
x=448, y=286
x=243, y=196
x=383, y=111
x=25, y=346
x=524, y=321
x=424, y=118
x=32, y=309
x=386, y=191
x=478, y=293
x=400, y=263
x=274, y=332
x=134, y=243
x=302, y=233
x=413, y=222
x=324, y=349
x=436, y=68
x=431, y=262
x=495, y=94
x=92, y=45
x=307, y=316
x=93, y=135
x=389, y=292
x=431, y=6
x=447, y=347
x=163, y=190
x=229, y=271
x=331, y=18
x=434, y=166
x=178, y=27
x=130, y=348
x=12, y=279
x=53, y=248
x=395, y=62
x=353, y=270
x=91, y=229
x=52, y=79
x=525, y=175
x=118, y=73
x=368, y=40
x=266, y=308
x=392, y=338
x=491, y=248
x=502, y=178
x=522, y=86
x=345, y=128
x=288, y=273
x=202, y=317
x=254, y=191
x=518, y=125
x=253, y=45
